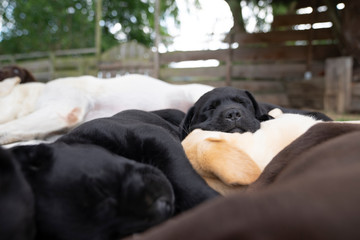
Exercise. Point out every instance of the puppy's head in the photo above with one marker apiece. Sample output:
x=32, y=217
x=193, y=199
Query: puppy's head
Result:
x=85, y=192
x=16, y=200
x=13, y=71
x=224, y=109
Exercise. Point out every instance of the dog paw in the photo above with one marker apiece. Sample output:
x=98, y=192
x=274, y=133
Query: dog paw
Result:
x=275, y=113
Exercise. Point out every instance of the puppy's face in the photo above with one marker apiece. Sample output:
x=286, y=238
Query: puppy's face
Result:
x=13, y=71
x=224, y=109
x=10, y=71
x=85, y=192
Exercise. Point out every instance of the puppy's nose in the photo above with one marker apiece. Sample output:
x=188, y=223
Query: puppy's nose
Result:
x=162, y=209
x=164, y=205
x=232, y=114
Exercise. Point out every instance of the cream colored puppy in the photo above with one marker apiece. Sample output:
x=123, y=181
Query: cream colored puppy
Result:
x=229, y=161
x=18, y=100
x=37, y=110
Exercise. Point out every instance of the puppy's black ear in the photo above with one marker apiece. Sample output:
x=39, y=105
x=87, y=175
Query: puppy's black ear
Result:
x=265, y=117
x=185, y=123
x=172, y=116
x=257, y=110
x=33, y=158
x=318, y=116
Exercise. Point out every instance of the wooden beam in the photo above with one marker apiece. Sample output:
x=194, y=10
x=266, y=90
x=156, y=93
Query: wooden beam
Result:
x=284, y=53
x=269, y=71
x=296, y=19
x=98, y=32
x=193, y=72
x=254, y=71
x=157, y=39
x=270, y=53
x=338, y=76
x=282, y=36
x=179, y=56
x=308, y=3
x=229, y=62
x=124, y=65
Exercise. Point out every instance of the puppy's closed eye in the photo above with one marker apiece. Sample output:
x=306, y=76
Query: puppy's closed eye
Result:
x=239, y=100
x=211, y=107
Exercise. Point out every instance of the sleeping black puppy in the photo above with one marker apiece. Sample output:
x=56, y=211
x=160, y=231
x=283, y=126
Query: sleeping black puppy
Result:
x=16, y=201
x=147, y=138
x=229, y=109
x=84, y=192
x=172, y=116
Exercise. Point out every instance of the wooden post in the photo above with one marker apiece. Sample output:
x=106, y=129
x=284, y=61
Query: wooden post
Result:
x=309, y=57
x=336, y=21
x=98, y=30
x=229, y=61
x=12, y=59
x=52, y=62
x=157, y=39
x=338, y=76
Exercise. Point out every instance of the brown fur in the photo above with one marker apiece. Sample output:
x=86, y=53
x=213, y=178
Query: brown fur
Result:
x=224, y=167
x=308, y=191
x=13, y=71
x=230, y=160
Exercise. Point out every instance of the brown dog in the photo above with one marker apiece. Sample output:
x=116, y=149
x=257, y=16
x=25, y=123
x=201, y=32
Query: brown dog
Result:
x=308, y=191
x=16, y=71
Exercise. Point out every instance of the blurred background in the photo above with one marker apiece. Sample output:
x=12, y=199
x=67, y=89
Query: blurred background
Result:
x=294, y=53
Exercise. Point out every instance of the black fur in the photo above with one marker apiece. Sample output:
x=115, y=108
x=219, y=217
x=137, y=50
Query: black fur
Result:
x=84, y=192
x=14, y=70
x=16, y=201
x=229, y=109
x=173, y=116
x=146, y=137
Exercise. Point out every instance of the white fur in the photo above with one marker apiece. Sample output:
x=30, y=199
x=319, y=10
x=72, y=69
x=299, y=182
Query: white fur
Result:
x=262, y=145
x=37, y=110
x=15, y=101
x=272, y=137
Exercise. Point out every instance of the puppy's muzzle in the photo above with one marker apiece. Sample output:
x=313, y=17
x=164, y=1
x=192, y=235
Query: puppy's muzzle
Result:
x=232, y=120
x=232, y=115
x=164, y=206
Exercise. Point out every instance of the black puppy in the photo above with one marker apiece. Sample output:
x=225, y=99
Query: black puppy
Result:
x=147, y=138
x=172, y=116
x=16, y=201
x=229, y=109
x=84, y=192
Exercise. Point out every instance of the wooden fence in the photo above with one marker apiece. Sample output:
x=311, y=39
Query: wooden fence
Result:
x=50, y=65
x=286, y=66
x=289, y=54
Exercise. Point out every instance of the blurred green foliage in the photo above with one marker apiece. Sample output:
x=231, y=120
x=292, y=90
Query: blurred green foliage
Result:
x=259, y=10
x=42, y=25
